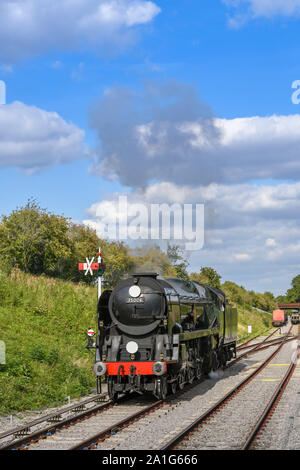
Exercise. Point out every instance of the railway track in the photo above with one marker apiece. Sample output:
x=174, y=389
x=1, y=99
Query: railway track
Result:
x=193, y=430
x=67, y=435
x=240, y=346
x=272, y=404
x=260, y=343
x=22, y=435
x=266, y=338
x=259, y=348
x=95, y=441
x=107, y=425
x=92, y=442
x=266, y=343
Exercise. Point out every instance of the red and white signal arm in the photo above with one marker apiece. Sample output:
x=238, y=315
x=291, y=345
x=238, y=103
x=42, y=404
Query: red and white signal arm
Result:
x=89, y=266
x=91, y=332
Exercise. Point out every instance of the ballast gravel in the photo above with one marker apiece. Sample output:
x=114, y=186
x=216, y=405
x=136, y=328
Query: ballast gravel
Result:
x=157, y=429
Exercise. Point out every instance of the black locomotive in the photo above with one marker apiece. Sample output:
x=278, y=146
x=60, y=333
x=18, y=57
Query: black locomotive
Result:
x=157, y=334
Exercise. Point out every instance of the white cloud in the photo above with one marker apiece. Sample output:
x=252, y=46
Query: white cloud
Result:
x=270, y=242
x=242, y=257
x=29, y=27
x=57, y=64
x=252, y=233
x=246, y=9
x=249, y=148
x=183, y=143
x=77, y=74
x=31, y=138
x=6, y=68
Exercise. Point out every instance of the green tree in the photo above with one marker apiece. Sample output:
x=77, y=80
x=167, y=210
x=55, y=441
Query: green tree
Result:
x=119, y=263
x=281, y=299
x=153, y=259
x=85, y=243
x=34, y=239
x=294, y=292
x=178, y=261
x=207, y=276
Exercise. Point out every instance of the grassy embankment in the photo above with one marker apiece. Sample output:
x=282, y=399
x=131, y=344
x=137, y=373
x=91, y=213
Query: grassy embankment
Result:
x=243, y=300
x=259, y=321
x=44, y=322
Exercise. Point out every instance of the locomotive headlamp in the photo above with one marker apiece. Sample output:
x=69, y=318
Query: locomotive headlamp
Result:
x=100, y=368
x=159, y=368
x=132, y=347
x=134, y=291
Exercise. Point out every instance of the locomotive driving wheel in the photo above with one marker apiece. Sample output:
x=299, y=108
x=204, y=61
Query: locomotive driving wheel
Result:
x=207, y=363
x=113, y=395
x=161, y=388
x=173, y=387
x=199, y=371
x=181, y=379
x=215, y=362
x=222, y=357
x=190, y=374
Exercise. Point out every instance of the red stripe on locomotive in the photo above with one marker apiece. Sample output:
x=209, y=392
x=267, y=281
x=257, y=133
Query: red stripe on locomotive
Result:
x=141, y=368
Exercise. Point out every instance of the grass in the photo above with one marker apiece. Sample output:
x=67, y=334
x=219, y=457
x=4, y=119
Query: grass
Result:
x=259, y=321
x=43, y=322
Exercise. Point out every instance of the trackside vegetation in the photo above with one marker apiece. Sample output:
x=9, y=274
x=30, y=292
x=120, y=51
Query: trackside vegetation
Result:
x=43, y=322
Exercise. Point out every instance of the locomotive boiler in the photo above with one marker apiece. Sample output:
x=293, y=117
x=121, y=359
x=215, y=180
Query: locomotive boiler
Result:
x=157, y=334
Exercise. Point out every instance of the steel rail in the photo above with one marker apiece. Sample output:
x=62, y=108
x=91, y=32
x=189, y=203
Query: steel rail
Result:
x=53, y=415
x=254, y=337
x=92, y=442
x=249, y=341
x=291, y=338
x=51, y=429
x=261, y=422
x=258, y=344
x=255, y=349
x=211, y=411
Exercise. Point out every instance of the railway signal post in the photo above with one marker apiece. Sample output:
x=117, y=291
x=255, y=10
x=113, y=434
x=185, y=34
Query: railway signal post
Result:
x=100, y=273
x=89, y=267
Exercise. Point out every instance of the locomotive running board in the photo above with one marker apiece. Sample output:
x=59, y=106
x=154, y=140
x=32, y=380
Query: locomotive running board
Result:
x=198, y=334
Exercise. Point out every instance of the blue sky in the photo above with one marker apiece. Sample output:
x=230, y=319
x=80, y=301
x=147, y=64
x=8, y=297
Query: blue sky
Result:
x=239, y=57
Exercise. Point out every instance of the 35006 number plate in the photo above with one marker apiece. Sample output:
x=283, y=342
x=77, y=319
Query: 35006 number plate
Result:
x=135, y=300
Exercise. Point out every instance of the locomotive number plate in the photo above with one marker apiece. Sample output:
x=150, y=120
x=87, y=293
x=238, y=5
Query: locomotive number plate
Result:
x=135, y=300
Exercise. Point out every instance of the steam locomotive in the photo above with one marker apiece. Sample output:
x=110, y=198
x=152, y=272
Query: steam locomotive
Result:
x=157, y=334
